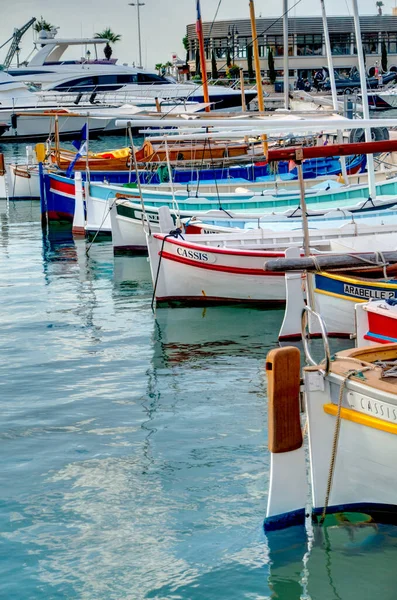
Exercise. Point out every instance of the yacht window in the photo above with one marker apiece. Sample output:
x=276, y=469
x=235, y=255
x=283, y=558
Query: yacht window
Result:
x=151, y=78
x=127, y=78
x=83, y=84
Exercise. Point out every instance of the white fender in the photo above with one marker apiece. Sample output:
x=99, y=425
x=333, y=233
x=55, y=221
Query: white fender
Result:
x=165, y=220
x=291, y=325
x=78, y=227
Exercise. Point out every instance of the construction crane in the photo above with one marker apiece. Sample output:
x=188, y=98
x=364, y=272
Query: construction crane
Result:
x=16, y=38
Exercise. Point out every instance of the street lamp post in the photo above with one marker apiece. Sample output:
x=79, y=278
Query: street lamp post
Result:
x=138, y=4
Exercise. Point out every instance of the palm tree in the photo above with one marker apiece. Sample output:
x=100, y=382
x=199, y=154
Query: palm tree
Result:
x=43, y=25
x=158, y=68
x=185, y=42
x=379, y=4
x=168, y=66
x=110, y=36
x=214, y=66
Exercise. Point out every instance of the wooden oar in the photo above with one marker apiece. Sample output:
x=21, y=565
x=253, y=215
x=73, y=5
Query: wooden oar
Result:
x=332, y=261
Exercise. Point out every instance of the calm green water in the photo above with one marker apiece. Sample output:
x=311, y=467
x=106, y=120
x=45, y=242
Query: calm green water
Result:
x=133, y=446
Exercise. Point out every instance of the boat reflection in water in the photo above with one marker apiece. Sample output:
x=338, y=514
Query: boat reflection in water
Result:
x=349, y=557
x=191, y=334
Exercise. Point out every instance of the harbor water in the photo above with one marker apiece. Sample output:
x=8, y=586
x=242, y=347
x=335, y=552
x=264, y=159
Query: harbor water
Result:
x=134, y=460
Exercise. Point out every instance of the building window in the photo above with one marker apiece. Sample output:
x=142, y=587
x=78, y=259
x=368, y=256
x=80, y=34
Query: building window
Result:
x=370, y=43
x=242, y=47
x=276, y=43
x=219, y=47
x=262, y=51
x=308, y=45
x=391, y=42
x=340, y=43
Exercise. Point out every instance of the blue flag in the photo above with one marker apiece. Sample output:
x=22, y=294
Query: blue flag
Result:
x=81, y=139
x=81, y=146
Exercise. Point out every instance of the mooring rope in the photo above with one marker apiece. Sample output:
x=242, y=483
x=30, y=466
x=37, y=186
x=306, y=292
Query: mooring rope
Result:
x=174, y=233
x=100, y=227
x=336, y=436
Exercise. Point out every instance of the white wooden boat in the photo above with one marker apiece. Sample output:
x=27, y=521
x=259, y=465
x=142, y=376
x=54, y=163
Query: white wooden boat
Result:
x=126, y=218
x=376, y=322
x=335, y=297
x=229, y=267
x=351, y=411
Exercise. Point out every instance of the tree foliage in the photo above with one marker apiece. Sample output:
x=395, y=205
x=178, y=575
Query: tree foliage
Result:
x=110, y=36
x=272, y=70
x=214, y=66
x=185, y=42
x=43, y=25
x=384, y=57
x=251, y=74
x=198, y=66
x=233, y=72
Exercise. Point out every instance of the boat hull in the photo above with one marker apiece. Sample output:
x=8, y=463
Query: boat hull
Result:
x=195, y=274
x=364, y=478
x=336, y=297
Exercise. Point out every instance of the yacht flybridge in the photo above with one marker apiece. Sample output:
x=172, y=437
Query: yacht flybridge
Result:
x=30, y=115
x=48, y=71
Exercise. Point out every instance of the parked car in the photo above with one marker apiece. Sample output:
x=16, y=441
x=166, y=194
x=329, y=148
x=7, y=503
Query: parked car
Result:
x=350, y=85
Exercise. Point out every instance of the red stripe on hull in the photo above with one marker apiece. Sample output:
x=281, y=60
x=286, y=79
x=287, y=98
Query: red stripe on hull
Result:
x=222, y=268
x=373, y=338
x=382, y=325
x=298, y=336
x=62, y=186
x=204, y=248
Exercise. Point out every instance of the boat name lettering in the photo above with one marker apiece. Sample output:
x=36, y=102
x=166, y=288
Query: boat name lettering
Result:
x=153, y=217
x=192, y=254
x=375, y=408
x=360, y=292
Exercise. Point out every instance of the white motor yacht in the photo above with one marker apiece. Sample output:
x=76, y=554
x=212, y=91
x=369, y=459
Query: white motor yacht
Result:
x=29, y=115
x=48, y=71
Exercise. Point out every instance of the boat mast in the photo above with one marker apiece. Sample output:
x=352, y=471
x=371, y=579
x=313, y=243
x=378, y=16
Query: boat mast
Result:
x=261, y=106
x=286, y=68
x=203, y=65
x=364, y=99
x=333, y=84
x=329, y=58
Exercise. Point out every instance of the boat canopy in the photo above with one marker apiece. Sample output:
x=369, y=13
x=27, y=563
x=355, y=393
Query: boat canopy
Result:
x=52, y=49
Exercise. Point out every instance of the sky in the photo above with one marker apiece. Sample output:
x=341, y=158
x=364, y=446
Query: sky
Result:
x=163, y=22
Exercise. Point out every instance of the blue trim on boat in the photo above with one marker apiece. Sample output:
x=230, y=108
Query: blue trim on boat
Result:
x=284, y=520
x=354, y=290
x=381, y=337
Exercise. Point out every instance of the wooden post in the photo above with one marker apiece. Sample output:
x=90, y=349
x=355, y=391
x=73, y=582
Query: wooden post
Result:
x=283, y=382
x=158, y=105
x=243, y=104
x=305, y=227
x=203, y=65
x=265, y=145
x=56, y=133
x=261, y=106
